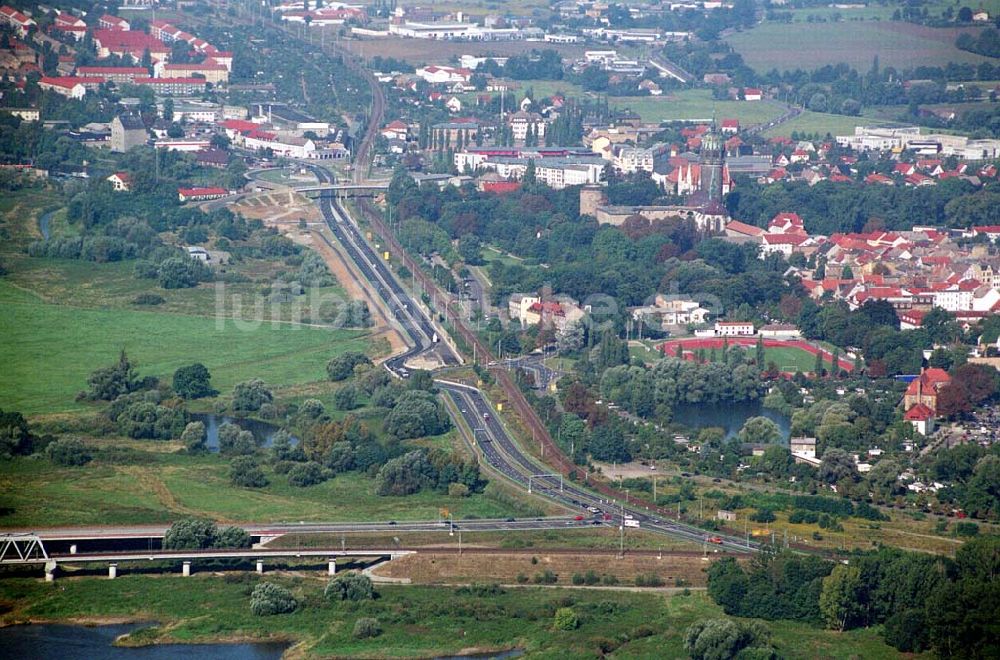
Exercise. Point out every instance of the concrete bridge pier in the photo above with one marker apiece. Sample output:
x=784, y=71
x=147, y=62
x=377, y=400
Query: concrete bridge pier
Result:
x=112, y=571
x=331, y=567
x=50, y=571
x=260, y=566
x=186, y=570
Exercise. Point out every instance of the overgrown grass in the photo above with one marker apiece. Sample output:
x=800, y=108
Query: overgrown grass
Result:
x=160, y=487
x=417, y=621
x=696, y=104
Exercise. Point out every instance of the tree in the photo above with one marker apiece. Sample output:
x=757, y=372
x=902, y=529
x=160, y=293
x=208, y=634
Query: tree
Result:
x=246, y=473
x=965, y=15
x=109, y=383
x=727, y=585
x=350, y=586
x=193, y=382
x=840, y=601
x=342, y=366
x=234, y=441
x=15, y=437
x=194, y=436
x=367, y=627
x=250, y=395
x=307, y=474
x=760, y=430
x=721, y=639
x=566, y=619
x=346, y=398
x=268, y=599
x=69, y=452
x=416, y=414
x=405, y=475
x=232, y=537
x=836, y=465
x=190, y=534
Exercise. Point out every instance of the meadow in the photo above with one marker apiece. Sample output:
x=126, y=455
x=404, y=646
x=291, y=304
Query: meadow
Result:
x=50, y=349
x=416, y=621
x=155, y=486
x=811, y=45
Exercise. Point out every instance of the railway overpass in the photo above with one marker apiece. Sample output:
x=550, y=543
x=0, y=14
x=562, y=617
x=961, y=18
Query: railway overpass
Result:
x=343, y=190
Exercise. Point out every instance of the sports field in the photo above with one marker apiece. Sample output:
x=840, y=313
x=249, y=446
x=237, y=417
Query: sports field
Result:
x=789, y=355
x=812, y=45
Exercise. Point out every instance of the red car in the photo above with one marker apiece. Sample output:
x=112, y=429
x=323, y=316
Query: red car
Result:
x=578, y=518
x=714, y=539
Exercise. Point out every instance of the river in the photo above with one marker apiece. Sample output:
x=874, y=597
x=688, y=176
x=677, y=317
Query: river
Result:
x=262, y=431
x=729, y=416
x=75, y=642
x=69, y=642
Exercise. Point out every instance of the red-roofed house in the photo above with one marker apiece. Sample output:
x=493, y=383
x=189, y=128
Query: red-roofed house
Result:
x=70, y=24
x=730, y=126
x=875, y=177
x=904, y=169
x=911, y=319
x=737, y=229
x=782, y=243
x=69, y=86
x=992, y=232
x=925, y=387
x=921, y=417
x=444, y=74
x=786, y=223
x=396, y=130
x=16, y=20
x=109, y=22
x=200, y=194
x=122, y=181
x=752, y=94
x=131, y=42
x=500, y=187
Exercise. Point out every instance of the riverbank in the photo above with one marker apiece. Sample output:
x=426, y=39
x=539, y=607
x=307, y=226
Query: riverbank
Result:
x=417, y=621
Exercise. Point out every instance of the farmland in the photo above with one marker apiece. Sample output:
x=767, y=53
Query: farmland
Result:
x=696, y=104
x=903, y=45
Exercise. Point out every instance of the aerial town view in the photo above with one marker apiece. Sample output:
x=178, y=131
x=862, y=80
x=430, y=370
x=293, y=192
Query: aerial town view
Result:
x=475, y=329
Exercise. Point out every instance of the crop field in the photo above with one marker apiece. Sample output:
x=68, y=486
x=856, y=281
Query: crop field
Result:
x=808, y=46
x=50, y=349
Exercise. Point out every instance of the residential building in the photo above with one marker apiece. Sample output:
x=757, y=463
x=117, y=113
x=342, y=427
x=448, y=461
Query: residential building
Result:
x=172, y=86
x=200, y=194
x=109, y=22
x=70, y=86
x=121, y=181
x=118, y=74
x=734, y=328
x=667, y=311
x=212, y=72
x=521, y=123
x=17, y=21
x=127, y=132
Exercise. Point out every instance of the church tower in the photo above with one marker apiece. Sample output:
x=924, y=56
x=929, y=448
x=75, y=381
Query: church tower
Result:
x=712, y=155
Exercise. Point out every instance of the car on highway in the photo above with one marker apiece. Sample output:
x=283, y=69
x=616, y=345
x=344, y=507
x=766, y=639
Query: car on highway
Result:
x=486, y=416
x=714, y=539
x=511, y=520
x=577, y=517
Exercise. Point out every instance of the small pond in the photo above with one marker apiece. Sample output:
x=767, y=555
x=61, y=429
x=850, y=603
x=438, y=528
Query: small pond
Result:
x=263, y=432
x=729, y=416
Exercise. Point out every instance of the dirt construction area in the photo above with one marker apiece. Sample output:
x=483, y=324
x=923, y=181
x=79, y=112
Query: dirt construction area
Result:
x=428, y=567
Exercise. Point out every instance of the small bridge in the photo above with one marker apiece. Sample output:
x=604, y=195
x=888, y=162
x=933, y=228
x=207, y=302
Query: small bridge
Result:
x=343, y=190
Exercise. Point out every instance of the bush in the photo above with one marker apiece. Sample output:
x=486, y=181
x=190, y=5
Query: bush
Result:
x=269, y=598
x=350, y=586
x=649, y=580
x=148, y=299
x=195, y=534
x=367, y=627
x=521, y=578
x=566, y=619
x=546, y=577
x=246, y=473
x=251, y=395
x=306, y=474
x=763, y=516
x=68, y=453
x=234, y=441
x=194, y=436
x=193, y=382
x=966, y=529
x=458, y=490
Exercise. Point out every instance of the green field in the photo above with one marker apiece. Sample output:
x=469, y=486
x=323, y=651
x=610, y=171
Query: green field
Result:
x=50, y=349
x=811, y=45
x=157, y=486
x=416, y=621
x=696, y=104
x=821, y=123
